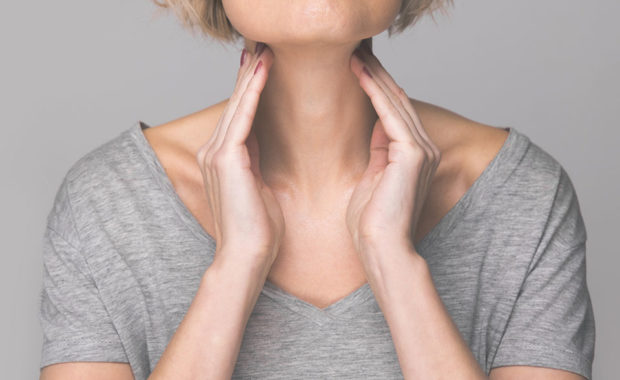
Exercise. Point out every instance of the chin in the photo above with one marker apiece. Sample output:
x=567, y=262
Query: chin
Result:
x=311, y=21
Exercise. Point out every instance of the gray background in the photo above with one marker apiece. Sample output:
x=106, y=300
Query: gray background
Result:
x=74, y=74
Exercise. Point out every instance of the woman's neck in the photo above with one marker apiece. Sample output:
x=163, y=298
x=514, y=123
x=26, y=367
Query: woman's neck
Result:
x=313, y=122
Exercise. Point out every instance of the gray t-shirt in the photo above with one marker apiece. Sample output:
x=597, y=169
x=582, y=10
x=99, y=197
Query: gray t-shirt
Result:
x=123, y=258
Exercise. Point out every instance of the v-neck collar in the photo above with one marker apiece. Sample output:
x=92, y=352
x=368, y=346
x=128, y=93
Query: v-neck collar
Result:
x=496, y=171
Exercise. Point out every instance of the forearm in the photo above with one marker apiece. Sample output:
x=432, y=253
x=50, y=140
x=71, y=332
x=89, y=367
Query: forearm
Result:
x=427, y=342
x=207, y=341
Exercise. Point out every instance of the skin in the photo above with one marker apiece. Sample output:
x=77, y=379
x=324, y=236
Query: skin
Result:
x=319, y=197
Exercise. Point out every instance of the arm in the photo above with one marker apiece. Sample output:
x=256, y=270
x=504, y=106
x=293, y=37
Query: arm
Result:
x=385, y=208
x=87, y=370
x=207, y=342
x=79, y=338
x=532, y=373
x=428, y=344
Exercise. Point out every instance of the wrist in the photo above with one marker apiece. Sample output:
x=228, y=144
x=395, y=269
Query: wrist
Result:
x=387, y=244
x=238, y=286
x=233, y=277
x=392, y=270
x=383, y=254
x=229, y=267
x=253, y=263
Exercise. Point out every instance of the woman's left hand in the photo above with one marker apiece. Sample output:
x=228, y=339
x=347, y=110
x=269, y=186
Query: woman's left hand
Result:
x=385, y=206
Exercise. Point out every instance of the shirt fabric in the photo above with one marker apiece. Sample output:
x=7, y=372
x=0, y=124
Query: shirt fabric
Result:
x=123, y=258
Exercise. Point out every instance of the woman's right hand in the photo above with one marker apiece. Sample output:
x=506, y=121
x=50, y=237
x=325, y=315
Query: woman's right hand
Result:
x=249, y=223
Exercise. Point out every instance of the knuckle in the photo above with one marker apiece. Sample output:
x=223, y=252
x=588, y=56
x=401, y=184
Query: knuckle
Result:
x=245, y=116
x=390, y=117
x=418, y=153
x=234, y=97
x=202, y=154
x=435, y=154
x=209, y=160
x=253, y=90
x=409, y=151
x=413, y=147
x=218, y=161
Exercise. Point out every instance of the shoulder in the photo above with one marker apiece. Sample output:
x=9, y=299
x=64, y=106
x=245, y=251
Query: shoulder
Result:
x=185, y=134
x=107, y=159
x=526, y=177
x=528, y=189
x=467, y=146
x=125, y=157
x=472, y=145
x=455, y=131
x=90, y=175
x=107, y=174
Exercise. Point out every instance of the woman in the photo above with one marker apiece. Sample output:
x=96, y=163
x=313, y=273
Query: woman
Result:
x=317, y=224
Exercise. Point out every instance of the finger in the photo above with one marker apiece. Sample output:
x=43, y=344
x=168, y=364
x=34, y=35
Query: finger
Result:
x=395, y=126
x=418, y=123
x=253, y=151
x=383, y=79
x=397, y=93
x=243, y=118
x=377, y=68
x=231, y=105
x=379, y=147
x=247, y=59
x=247, y=71
x=361, y=56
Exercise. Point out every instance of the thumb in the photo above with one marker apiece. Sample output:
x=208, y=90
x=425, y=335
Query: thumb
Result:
x=378, y=149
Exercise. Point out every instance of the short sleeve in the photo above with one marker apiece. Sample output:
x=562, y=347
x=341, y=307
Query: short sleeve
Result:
x=552, y=321
x=74, y=320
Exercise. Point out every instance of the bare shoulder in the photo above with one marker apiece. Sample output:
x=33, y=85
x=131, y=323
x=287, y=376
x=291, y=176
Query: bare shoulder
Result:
x=188, y=131
x=462, y=141
x=176, y=142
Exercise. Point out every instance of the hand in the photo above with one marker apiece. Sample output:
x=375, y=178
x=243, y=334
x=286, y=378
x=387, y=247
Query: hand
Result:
x=248, y=219
x=385, y=206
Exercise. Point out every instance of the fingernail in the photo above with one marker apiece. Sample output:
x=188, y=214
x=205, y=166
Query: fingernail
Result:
x=243, y=53
x=260, y=63
x=366, y=71
x=259, y=48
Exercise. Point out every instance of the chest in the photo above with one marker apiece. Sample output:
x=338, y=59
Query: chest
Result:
x=283, y=335
x=317, y=261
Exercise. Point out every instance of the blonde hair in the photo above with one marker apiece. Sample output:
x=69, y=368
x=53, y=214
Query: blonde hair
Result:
x=210, y=19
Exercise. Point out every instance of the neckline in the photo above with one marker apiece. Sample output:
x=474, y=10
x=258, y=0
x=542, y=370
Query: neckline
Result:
x=514, y=144
x=482, y=189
